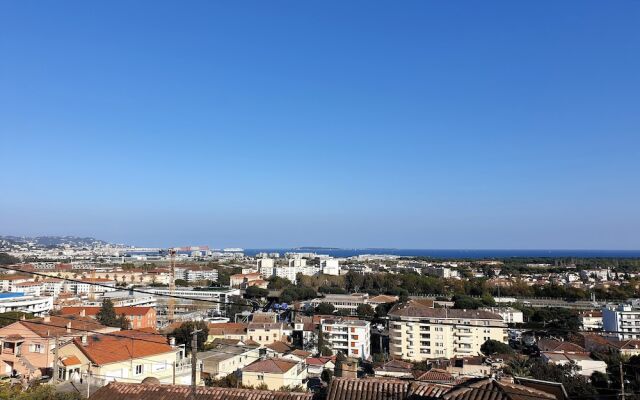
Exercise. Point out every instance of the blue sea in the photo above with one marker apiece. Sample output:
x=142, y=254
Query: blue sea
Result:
x=455, y=254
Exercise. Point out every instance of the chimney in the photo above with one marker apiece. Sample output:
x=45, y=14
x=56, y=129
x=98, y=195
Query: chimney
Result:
x=84, y=340
x=83, y=313
x=46, y=319
x=68, y=327
x=172, y=341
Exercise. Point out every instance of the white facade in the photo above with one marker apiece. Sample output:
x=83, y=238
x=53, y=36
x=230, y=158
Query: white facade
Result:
x=351, y=337
x=330, y=266
x=38, y=306
x=509, y=315
x=265, y=266
x=622, y=321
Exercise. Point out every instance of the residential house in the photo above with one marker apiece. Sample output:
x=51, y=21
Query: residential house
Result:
x=228, y=330
x=224, y=359
x=137, y=317
x=27, y=345
x=266, y=333
x=394, y=369
x=584, y=363
x=316, y=365
x=130, y=355
x=274, y=373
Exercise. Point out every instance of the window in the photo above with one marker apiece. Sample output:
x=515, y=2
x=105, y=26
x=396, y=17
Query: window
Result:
x=353, y=344
x=355, y=351
x=35, y=348
x=354, y=337
x=139, y=369
x=260, y=377
x=353, y=330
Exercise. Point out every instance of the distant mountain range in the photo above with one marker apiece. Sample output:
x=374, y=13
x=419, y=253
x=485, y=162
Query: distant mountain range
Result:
x=47, y=241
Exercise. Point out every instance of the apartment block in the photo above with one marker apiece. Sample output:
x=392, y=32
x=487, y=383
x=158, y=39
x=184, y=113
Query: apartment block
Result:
x=351, y=337
x=418, y=332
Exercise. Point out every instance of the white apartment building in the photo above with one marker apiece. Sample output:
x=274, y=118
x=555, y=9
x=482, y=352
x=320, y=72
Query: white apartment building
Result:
x=330, y=266
x=351, y=337
x=439, y=271
x=509, y=315
x=89, y=285
x=298, y=262
x=289, y=273
x=265, y=266
x=418, y=332
x=38, y=306
x=591, y=320
x=194, y=275
x=622, y=321
x=597, y=274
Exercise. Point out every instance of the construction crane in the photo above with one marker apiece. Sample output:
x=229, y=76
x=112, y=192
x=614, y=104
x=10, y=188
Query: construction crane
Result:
x=172, y=286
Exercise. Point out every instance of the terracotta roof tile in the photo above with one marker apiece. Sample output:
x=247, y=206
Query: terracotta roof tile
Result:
x=132, y=391
x=270, y=366
x=490, y=389
x=106, y=349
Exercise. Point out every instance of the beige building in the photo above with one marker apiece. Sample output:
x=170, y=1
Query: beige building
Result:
x=266, y=333
x=223, y=359
x=418, y=332
x=27, y=346
x=274, y=373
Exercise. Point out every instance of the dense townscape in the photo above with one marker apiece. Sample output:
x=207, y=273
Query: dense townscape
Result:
x=82, y=317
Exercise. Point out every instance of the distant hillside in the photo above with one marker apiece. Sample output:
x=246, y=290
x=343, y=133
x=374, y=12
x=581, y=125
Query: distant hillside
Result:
x=54, y=241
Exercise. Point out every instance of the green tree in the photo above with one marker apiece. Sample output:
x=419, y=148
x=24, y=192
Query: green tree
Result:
x=183, y=333
x=10, y=317
x=107, y=314
x=466, y=302
x=255, y=292
x=325, y=308
x=326, y=376
x=365, y=311
x=495, y=347
x=6, y=259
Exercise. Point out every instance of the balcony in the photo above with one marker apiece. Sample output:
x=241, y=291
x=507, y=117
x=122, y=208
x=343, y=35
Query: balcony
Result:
x=463, y=333
x=463, y=350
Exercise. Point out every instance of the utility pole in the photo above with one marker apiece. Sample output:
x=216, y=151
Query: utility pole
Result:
x=174, y=373
x=622, y=396
x=89, y=381
x=194, y=361
x=55, y=361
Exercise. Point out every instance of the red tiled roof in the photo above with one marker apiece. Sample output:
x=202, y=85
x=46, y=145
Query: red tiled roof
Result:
x=320, y=360
x=490, y=389
x=558, y=345
x=136, y=391
x=383, y=389
x=270, y=366
x=415, y=309
x=279, y=347
x=57, y=325
x=435, y=375
x=227, y=328
x=71, y=360
x=107, y=349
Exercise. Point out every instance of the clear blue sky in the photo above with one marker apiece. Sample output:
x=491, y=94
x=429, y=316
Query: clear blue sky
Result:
x=415, y=124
